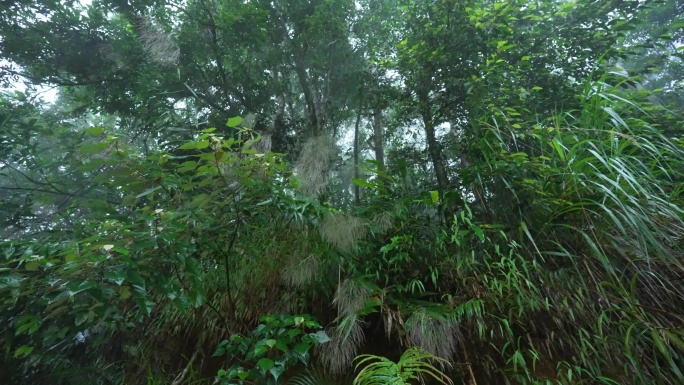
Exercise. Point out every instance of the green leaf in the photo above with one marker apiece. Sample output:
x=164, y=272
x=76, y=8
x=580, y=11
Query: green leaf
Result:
x=674, y=339
x=234, y=122
x=94, y=130
x=228, y=142
x=259, y=350
x=435, y=196
x=92, y=148
x=148, y=192
x=277, y=371
x=221, y=349
x=30, y=266
x=23, y=351
x=282, y=346
x=188, y=146
x=302, y=348
x=363, y=183
x=199, y=200
x=116, y=276
x=128, y=200
x=81, y=318
x=322, y=337
x=187, y=166
x=265, y=364
x=202, y=144
x=124, y=293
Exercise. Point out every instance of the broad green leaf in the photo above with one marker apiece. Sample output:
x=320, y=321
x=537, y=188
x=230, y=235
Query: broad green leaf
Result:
x=234, y=122
x=282, y=346
x=92, y=148
x=302, y=348
x=259, y=350
x=30, y=266
x=116, y=276
x=124, y=293
x=227, y=143
x=322, y=337
x=277, y=371
x=23, y=351
x=435, y=196
x=265, y=364
x=95, y=130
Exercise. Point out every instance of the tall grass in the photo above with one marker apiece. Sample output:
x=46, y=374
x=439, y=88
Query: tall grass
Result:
x=585, y=286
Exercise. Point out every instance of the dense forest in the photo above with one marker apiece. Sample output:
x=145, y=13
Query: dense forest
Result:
x=316, y=192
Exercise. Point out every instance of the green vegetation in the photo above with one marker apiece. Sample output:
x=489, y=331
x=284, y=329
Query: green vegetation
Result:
x=342, y=192
x=412, y=363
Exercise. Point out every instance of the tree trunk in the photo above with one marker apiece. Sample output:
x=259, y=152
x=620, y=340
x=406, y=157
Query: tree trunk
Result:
x=357, y=127
x=300, y=70
x=308, y=96
x=435, y=153
x=378, y=142
x=278, y=133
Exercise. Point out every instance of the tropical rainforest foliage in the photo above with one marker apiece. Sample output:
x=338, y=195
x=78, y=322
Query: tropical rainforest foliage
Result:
x=336, y=191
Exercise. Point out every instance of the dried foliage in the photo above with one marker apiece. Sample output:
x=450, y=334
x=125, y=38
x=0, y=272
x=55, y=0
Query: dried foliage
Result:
x=158, y=45
x=347, y=336
x=383, y=221
x=302, y=268
x=343, y=231
x=346, y=341
x=315, y=164
x=351, y=296
x=263, y=145
x=437, y=333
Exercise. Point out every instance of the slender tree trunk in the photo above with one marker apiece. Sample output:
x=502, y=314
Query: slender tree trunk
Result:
x=378, y=142
x=357, y=139
x=308, y=96
x=320, y=113
x=300, y=70
x=435, y=153
x=278, y=131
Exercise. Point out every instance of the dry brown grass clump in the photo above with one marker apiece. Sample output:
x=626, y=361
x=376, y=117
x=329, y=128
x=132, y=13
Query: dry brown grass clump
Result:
x=343, y=231
x=315, y=163
x=158, y=45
